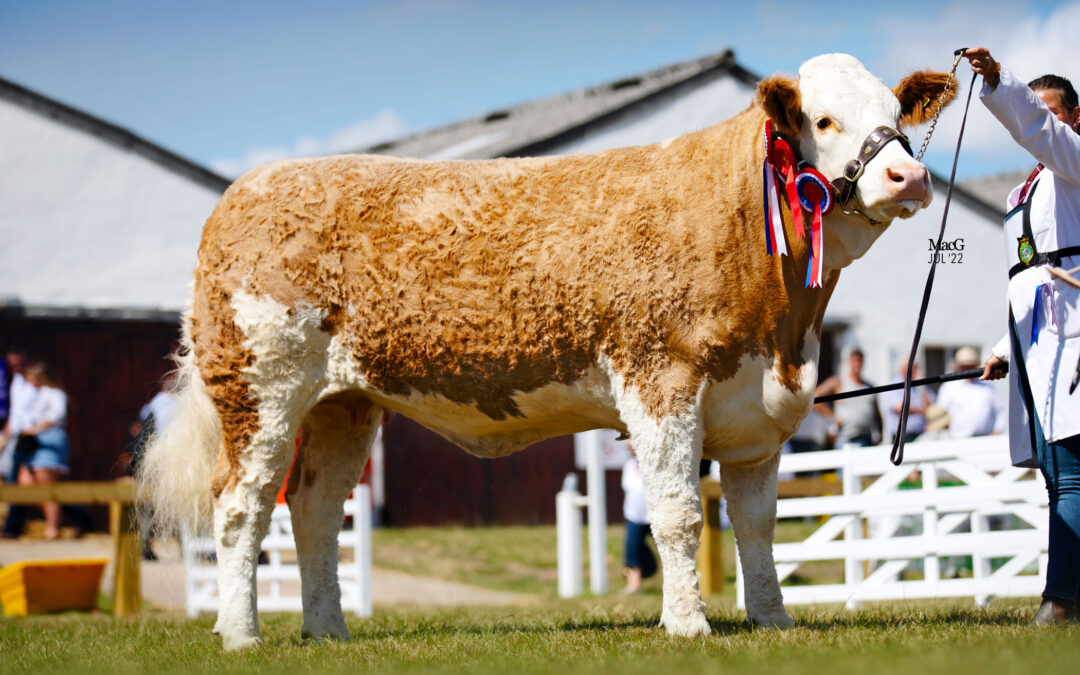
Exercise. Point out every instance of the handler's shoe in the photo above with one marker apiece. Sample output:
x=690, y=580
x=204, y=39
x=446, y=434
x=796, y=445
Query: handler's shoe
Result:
x=1054, y=612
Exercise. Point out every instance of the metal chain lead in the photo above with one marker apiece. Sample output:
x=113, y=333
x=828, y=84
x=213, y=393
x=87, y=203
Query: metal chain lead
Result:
x=959, y=54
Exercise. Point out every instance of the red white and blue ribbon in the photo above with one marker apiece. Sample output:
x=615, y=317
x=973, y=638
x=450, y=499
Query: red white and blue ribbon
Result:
x=1044, y=289
x=780, y=155
x=815, y=195
x=775, y=242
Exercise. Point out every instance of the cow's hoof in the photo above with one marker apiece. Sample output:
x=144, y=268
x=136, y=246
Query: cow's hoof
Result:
x=778, y=620
x=333, y=631
x=687, y=626
x=235, y=642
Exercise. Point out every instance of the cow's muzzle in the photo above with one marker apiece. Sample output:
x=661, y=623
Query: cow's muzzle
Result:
x=853, y=171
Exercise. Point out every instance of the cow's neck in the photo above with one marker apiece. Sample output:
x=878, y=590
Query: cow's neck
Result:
x=847, y=238
x=756, y=305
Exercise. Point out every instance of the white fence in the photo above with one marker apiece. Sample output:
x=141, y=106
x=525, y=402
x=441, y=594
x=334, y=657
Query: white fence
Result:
x=279, y=577
x=594, y=446
x=966, y=493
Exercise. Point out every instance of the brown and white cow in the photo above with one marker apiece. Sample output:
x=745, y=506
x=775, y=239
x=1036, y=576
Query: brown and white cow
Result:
x=502, y=302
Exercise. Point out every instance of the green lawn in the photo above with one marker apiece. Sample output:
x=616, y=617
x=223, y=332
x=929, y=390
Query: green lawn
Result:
x=610, y=634
x=606, y=635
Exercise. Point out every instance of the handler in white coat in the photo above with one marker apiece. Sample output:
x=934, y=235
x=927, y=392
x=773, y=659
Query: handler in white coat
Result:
x=1043, y=231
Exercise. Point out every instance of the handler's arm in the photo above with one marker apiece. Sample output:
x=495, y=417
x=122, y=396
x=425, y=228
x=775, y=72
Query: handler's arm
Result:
x=1026, y=118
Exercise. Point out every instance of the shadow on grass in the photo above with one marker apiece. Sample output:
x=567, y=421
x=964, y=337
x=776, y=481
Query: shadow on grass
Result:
x=724, y=626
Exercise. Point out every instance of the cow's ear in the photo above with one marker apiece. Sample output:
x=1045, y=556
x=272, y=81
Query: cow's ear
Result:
x=779, y=96
x=920, y=96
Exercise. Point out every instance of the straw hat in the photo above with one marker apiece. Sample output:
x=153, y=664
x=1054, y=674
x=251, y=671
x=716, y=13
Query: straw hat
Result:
x=967, y=357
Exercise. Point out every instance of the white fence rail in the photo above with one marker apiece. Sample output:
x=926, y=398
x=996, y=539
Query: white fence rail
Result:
x=965, y=496
x=279, y=576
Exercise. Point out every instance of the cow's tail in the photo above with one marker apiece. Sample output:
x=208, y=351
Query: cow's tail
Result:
x=178, y=462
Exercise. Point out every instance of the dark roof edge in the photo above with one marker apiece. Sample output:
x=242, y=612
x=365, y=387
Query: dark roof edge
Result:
x=971, y=201
x=725, y=62
x=107, y=131
x=17, y=311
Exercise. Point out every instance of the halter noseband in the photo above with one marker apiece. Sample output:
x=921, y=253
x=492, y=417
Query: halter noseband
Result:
x=853, y=171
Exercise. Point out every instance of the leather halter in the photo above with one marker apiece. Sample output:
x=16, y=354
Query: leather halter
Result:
x=845, y=184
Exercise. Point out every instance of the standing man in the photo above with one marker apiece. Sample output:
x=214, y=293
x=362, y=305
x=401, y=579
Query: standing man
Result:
x=1042, y=231
x=973, y=405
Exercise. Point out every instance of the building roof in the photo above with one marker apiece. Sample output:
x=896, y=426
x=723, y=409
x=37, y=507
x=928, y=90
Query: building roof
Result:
x=122, y=138
x=543, y=125
x=994, y=189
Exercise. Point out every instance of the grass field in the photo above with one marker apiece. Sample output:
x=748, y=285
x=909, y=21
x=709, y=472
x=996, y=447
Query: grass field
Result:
x=611, y=634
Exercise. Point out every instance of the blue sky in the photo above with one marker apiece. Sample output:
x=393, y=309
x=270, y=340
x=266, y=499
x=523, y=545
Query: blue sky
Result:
x=227, y=81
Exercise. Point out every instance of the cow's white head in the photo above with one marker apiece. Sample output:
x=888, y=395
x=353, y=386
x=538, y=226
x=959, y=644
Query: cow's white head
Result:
x=827, y=114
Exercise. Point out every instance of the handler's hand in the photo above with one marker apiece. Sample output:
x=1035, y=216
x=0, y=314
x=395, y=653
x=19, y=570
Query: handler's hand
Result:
x=994, y=369
x=984, y=64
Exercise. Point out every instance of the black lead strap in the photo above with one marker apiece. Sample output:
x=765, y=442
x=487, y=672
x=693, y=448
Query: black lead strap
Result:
x=897, y=454
x=868, y=391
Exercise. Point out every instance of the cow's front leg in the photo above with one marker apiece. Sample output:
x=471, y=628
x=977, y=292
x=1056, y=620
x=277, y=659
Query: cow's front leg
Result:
x=669, y=453
x=751, y=499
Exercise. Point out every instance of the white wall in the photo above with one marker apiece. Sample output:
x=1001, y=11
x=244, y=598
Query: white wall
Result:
x=880, y=294
x=84, y=223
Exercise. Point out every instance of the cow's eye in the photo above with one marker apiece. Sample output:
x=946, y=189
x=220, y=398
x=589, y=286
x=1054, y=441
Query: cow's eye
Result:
x=824, y=123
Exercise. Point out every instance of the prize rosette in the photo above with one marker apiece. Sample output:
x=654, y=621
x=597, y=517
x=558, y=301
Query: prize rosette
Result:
x=815, y=195
x=775, y=243
x=783, y=159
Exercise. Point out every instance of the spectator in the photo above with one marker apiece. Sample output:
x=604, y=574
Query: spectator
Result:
x=1042, y=345
x=44, y=452
x=973, y=405
x=21, y=395
x=921, y=399
x=638, y=558
x=153, y=417
x=857, y=419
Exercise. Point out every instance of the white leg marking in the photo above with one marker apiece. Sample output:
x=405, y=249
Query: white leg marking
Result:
x=751, y=497
x=669, y=452
x=288, y=368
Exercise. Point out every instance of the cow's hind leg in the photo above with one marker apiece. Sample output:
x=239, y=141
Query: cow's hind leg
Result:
x=669, y=454
x=260, y=380
x=751, y=499
x=246, y=481
x=336, y=439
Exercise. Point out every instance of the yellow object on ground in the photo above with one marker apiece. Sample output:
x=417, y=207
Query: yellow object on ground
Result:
x=37, y=586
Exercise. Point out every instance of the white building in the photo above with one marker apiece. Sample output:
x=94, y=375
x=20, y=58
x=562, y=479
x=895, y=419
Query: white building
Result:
x=98, y=235
x=94, y=220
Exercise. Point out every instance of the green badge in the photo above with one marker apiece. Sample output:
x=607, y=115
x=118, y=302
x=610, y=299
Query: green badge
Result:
x=1025, y=251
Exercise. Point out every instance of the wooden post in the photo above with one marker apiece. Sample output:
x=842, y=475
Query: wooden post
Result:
x=710, y=555
x=127, y=551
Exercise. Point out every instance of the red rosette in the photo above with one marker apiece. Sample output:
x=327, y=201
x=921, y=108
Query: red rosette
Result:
x=782, y=156
x=814, y=190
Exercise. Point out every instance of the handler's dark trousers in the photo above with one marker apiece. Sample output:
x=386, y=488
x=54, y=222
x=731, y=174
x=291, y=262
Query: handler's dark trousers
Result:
x=1060, y=464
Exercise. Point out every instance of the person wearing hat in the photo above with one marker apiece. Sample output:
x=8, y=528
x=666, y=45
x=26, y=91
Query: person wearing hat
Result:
x=973, y=405
x=1042, y=345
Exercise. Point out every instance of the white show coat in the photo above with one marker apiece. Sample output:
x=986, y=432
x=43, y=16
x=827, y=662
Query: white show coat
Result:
x=1055, y=224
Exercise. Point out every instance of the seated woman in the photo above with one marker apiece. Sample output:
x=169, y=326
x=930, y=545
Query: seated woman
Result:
x=43, y=452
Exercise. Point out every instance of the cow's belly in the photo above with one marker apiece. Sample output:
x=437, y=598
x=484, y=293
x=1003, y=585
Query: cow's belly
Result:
x=747, y=417
x=552, y=410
